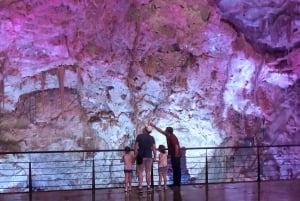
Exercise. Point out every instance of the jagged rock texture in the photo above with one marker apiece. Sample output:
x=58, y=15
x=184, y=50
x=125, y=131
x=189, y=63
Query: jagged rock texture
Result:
x=90, y=74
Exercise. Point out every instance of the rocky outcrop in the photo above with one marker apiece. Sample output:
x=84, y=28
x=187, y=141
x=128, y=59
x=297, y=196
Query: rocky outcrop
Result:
x=90, y=74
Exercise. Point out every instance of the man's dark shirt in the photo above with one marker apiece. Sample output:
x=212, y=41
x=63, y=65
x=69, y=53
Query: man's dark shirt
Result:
x=172, y=141
x=146, y=142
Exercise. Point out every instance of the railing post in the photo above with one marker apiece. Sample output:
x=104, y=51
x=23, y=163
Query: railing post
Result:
x=93, y=179
x=206, y=175
x=30, y=182
x=258, y=174
x=258, y=164
x=152, y=177
x=206, y=168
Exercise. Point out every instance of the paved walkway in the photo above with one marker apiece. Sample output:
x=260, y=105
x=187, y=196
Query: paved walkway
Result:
x=265, y=191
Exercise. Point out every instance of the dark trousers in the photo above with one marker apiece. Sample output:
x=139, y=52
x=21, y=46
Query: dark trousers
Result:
x=175, y=161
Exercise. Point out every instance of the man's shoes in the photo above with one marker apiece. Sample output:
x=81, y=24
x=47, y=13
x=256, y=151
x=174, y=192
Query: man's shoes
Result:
x=140, y=189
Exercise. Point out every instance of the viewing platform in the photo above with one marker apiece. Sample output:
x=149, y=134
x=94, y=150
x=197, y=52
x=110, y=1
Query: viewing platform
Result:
x=248, y=173
x=247, y=191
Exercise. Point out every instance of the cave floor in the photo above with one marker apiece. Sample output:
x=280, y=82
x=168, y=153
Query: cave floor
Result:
x=288, y=190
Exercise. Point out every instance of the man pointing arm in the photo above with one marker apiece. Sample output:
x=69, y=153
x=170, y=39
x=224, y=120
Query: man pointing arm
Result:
x=173, y=152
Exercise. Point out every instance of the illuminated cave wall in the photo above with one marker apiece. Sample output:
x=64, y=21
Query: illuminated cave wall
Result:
x=90, y=74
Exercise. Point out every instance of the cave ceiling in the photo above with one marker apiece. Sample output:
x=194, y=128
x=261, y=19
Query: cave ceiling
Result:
x=272, y=26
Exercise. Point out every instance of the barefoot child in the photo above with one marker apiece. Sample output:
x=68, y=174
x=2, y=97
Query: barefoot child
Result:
x=128, y=159
x=162, y=167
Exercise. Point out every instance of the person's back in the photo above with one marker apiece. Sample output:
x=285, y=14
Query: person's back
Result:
x=163, y=160
x=173, y=143
x=145, y=147
x=128, y=160
x=173, y=151
x=146, y=142
x=162, y=167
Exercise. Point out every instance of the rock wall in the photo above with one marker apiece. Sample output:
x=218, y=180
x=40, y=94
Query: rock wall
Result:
x=90, y=74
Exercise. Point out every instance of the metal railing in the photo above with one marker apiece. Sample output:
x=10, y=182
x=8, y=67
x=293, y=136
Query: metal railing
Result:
x=94, y=169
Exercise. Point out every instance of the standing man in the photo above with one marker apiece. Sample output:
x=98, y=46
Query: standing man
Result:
x=145, y=148
x=173, y=152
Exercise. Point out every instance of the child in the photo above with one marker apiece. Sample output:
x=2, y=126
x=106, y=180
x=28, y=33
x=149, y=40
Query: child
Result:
x=128, y=159
x=162, y=166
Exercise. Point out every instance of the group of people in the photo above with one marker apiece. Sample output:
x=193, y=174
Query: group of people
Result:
x=145, y=154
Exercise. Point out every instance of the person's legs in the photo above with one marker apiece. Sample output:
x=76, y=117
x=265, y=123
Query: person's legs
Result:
x=126, y=181
x=164, y=176
x=176, y=171
x=140, y=169
x=148, y=166
x=159, y=178
x=129, y=180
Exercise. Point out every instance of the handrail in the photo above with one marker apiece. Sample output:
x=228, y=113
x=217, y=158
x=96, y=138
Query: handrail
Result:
x=107, y=150
x=91, y=169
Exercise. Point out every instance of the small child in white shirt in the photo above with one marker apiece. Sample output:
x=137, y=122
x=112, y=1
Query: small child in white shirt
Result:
x=128, y=159
x=162, y=167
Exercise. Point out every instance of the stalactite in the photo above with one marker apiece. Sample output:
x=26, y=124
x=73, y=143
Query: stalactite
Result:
x=255, y=81
x=61, y=76
x=32, y=108
x=2, y=91
x=150, y=66
x=79, y=76
x=131, y=71
x=256, y=84
x=43, y=82
x=181, y=80
x=289, y=29
x=1, y=88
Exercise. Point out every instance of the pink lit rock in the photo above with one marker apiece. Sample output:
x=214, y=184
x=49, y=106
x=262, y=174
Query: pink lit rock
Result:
x=115, y=65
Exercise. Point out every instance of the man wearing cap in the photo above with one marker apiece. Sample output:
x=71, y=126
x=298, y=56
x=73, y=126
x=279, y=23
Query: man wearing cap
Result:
x=173, y=152
x=145, y=147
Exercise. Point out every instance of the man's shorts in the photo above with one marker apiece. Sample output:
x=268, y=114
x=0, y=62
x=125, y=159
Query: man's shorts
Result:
x=146, y=165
